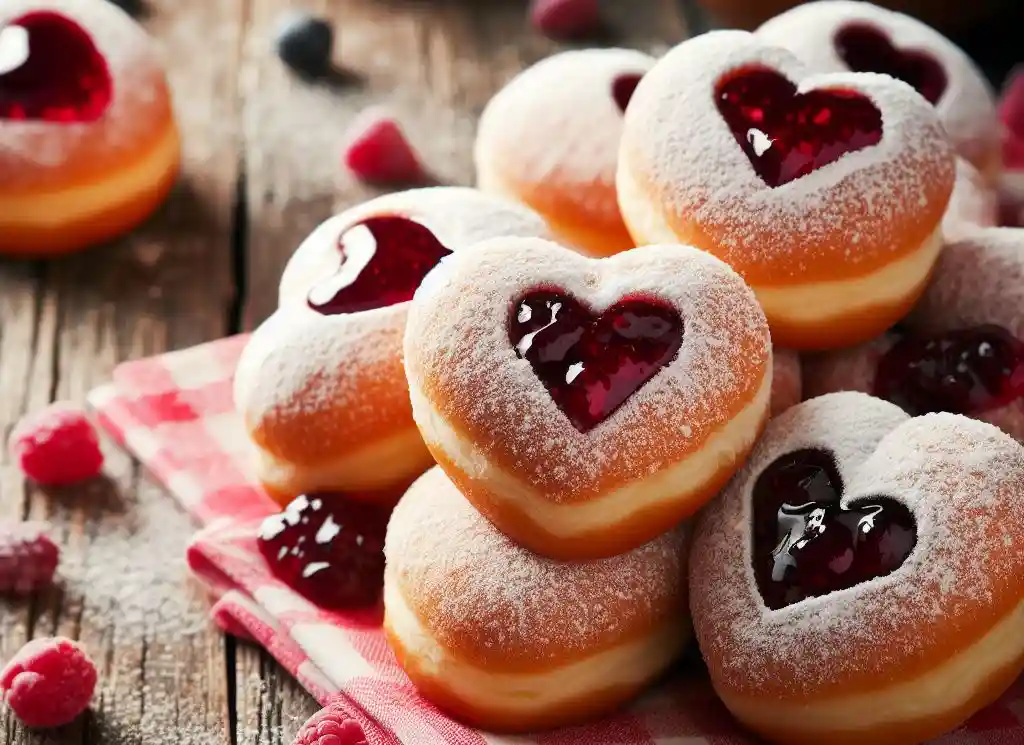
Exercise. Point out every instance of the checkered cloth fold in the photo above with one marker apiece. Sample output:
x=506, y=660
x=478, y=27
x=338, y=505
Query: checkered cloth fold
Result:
x=174, y=413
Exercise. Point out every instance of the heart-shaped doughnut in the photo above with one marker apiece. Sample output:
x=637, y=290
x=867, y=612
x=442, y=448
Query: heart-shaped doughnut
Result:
x=320, y=383
x=861, y=578
x=587, y=405
x=961, y=350
x=826, y=192
x=841, y=36
x=88, y=143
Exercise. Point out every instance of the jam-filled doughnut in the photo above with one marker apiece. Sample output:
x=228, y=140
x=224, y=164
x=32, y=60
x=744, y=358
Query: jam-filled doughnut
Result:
x=320, y=384
x=550, y=139
x=841, y=36
x=507, y=640
x=824, y=191
x=974, y=203
x=787, y=380
x=861, y=579
x=587, y=405
x=88, y=143
x=961, y=350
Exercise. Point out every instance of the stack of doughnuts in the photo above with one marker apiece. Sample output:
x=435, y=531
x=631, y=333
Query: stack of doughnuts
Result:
x=597, y=395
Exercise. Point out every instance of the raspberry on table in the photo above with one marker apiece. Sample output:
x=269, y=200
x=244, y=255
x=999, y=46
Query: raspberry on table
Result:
x=330, y=726
x=566, y=19
x=378, y=151
x=28, y=558
x=57, y=446
x=48, y=682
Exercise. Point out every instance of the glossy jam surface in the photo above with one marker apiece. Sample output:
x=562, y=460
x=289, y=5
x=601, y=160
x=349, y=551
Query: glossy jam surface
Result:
x=383, y=261
x=623, y=88
x=786, y=134
x=864, y=48
x=968, y=371
x=806, y=544
x=328, y=548
x=64, y=79
x=590, y=363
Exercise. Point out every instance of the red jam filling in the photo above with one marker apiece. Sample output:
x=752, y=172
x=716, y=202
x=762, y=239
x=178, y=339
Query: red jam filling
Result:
x=64, y=79
x=623, y=88
x=865, y=48
x=786, y=134
x=328, y=548
x=807, y=545
x=591, y=363
x=968, y=371
x=383, y=261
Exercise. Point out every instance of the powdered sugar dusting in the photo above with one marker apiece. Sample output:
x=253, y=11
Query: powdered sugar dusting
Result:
x=36, y=152
x=966, y=109
x=964, y=482
x=459, y=356
x=861, y=208
x=446, y=558
x=973, y=204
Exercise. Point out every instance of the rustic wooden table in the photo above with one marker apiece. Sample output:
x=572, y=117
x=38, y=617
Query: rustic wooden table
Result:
x=261, y=170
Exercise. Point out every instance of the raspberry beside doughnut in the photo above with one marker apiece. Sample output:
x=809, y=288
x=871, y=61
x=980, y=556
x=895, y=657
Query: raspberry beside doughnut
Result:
x=887, y=620
x=550, y=139
x=587, y=405
x=836, y=248
x=88, y=143
x=323, y=392
x=510, y=641
x=842, y=36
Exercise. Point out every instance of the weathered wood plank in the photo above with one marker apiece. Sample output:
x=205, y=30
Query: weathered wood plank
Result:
x=63, y=325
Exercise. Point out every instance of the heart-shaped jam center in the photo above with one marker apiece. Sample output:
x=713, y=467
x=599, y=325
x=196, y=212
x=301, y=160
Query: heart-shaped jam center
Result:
x=592, y=363
x=807, y=544
x=51, y=71
x=787, y=134
x=383, y=261
x=328, y=548
x=967, y=371
x=623, y=88
x=864, y=48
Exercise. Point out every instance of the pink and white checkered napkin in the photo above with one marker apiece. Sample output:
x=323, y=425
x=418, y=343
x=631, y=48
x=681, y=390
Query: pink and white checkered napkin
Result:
x=174, y=413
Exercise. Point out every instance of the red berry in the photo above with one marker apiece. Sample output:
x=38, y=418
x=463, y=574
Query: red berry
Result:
x=566, y=19
x=229, y=624
x=28, y=558
x=48, y=683
x=57, y=446
x=378, y=151
x=1011, y=106
x=330, y=726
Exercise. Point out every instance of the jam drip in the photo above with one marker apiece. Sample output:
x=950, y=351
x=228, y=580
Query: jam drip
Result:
x=383, y=261
x=328, y=548
x=63, y=80
x=864, y=48
x=786, y=134
x=623, y=88
x=968, y=371
x=591, y=363
x=806, y=544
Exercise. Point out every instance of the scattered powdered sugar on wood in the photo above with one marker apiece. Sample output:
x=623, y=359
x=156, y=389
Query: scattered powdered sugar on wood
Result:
x=679, y=151
x=967, y=107
x=964, y=482
x=472, y=586
x=458, y=355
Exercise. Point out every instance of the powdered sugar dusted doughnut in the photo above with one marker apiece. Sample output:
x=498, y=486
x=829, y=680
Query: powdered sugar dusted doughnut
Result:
x=825, y=192
x=587, y=405
x=961, y=350
x=974, y=203
x=88, y=143
x=508, y=640
x=550, y=139
x=860, y=580
x=840, y=36
x=787, y=383
x=321, y=384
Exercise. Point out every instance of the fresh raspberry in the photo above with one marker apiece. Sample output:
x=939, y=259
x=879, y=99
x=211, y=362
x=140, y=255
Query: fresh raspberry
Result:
x=378, y=151
x=566, y=19
x=57, y=446
x=28, y=558
x=330, y=726
x=48, y=683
